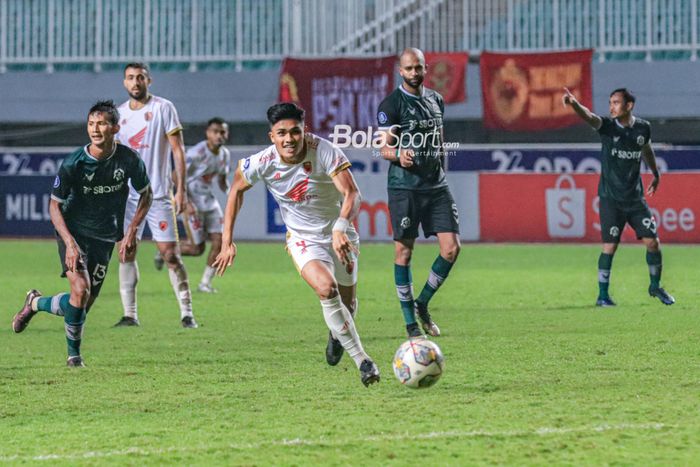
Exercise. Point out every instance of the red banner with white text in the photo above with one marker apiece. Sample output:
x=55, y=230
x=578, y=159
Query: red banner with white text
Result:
x=447, y=75
x=337, y=91
x=564, y=208
x=523, y=92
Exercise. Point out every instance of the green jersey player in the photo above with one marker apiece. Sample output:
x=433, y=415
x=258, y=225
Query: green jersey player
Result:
x=411, y=120
x=87, y=210
x=626, y=141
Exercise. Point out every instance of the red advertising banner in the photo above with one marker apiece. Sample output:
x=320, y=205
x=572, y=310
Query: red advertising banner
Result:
x=447, y=75
x=338, y=91
x=564, y=208
x=522, y=92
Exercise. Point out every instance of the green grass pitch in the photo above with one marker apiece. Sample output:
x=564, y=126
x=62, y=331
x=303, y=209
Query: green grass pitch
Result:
x=534, y=373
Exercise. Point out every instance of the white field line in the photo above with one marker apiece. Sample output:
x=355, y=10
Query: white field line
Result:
x=544, y=431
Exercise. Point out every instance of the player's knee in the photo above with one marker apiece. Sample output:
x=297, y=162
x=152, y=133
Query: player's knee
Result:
x=403, y=255
x=326, y=289
x=81, y=293
x=451, y=252
x=653, y=245
x=171, y=258
x=199, y=249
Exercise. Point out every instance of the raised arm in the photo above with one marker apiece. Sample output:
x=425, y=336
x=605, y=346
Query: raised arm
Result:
x=234, y=203
x=345, y=184
x=650, y=160
x=177, y=143
x=583, y=112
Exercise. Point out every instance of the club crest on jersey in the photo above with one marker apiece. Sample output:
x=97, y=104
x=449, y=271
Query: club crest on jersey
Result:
x=307, y=167
x=382, y=118
x=616, y=139
x=277, y=176
x=119, y=175
x=640, y=140
x=149, y=116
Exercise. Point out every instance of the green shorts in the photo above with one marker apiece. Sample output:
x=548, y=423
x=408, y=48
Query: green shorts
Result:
x=435, y=211
x=614, y=215
x=94, y=257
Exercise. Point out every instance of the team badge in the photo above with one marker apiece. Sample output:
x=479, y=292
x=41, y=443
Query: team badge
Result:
x=307, y=167
x=640, y=140
x=163, y=226
x=57, y=182
x=149, y=116
x=614, y=231
x=382, y=118
x=405, y=223
x=277, y=176
x=119, y=175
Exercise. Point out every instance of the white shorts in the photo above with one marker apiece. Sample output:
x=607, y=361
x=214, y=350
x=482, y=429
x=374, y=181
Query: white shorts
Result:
x=203, y=223
x=160, y=219
x=303, y=251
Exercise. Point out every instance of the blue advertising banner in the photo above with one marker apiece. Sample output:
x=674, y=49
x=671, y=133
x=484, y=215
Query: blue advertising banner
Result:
x=24, y=206
x=557, y=160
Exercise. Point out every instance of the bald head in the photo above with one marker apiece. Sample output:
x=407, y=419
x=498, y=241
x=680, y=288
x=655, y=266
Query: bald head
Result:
x=412, y=52
x=412, y=69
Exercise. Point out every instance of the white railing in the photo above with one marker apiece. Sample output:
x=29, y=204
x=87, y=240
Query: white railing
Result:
x=50, y=33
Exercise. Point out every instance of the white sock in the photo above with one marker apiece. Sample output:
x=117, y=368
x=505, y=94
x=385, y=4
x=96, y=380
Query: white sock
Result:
x=128, y=278
x=208, y=275
x=181, y=286
x=342, y=326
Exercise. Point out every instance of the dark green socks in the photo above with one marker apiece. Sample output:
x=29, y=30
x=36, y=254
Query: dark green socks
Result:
x=604, y=267
x=73, y=319
x=404, y=289
x=54, y=305
x=438, y=273
x=654, y=263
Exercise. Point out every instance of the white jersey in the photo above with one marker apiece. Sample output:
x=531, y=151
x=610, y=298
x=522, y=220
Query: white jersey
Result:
x=146, y=131
x=203, y=168
x=309, y=201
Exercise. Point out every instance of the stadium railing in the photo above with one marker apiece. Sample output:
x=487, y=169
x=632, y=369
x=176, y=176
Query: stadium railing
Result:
x=195, y=34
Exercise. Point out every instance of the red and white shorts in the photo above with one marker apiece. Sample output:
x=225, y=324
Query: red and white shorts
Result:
x=160, y=219
x=303, y=251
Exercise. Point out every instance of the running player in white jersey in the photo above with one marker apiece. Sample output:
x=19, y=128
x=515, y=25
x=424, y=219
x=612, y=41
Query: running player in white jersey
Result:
x=150, y=126
x=206, y=161
x=311, y=181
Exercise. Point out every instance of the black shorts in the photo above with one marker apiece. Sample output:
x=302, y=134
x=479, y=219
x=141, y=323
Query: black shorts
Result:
x=435, y=211
x=94, y=257
x=614, y=215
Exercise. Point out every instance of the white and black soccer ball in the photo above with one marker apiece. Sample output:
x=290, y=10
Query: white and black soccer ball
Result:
x=418, y=363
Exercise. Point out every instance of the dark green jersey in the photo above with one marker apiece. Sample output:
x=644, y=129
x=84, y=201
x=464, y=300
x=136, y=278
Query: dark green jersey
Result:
x=621, y=159
x=416, y=121
x=93, y=192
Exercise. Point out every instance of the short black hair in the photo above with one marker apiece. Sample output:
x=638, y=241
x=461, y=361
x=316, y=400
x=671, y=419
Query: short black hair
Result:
x=216, y=121
x=108, y=108
x=627, y=96
x=283, y=111
x=141, y=65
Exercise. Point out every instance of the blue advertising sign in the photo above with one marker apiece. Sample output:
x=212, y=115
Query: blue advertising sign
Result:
x=560, y=160
x=24, y=206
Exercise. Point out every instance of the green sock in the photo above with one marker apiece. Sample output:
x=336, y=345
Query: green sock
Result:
x=438, y=273
x=404, y=289
x=654, y=263
x=53, y=305
x=604, y=267
x=73, y=318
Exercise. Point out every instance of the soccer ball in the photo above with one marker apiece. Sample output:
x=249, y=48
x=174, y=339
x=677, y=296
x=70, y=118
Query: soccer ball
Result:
x=418, y=363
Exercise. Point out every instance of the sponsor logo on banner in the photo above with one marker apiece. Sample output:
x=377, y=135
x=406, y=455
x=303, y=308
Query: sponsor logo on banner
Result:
x=557, y=208
x=566, y=209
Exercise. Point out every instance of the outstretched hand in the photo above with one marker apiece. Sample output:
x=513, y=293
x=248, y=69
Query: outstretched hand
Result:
x=568, y=98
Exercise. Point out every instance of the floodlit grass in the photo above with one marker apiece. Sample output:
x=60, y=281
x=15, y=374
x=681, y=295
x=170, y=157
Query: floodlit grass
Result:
x=534, y=373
